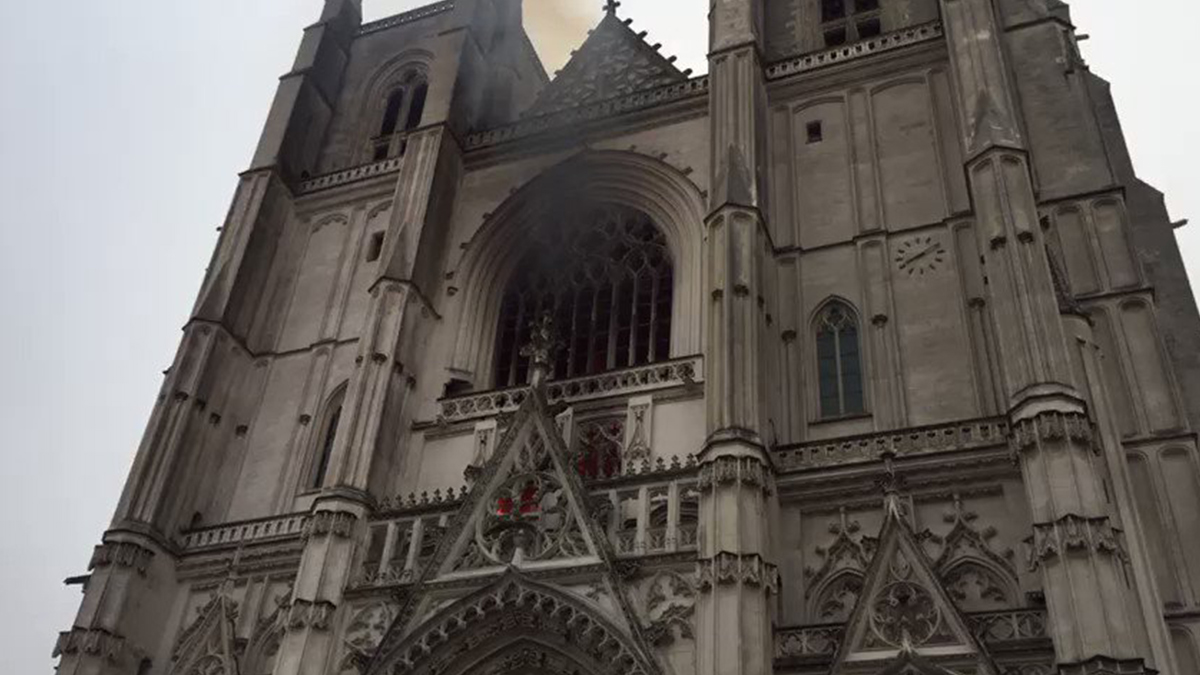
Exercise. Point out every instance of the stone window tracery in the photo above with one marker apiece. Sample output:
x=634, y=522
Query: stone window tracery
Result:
x=839, y=362
x=844, y=21
x=605, y=274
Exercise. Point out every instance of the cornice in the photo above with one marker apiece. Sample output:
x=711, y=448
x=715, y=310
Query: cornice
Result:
x=405, y=18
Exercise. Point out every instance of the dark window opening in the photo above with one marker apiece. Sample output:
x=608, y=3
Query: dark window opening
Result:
x=598, y=447
x=839, y=362
x=832, y=10
x=814, y=131
x=417, y=107
x=844, y=21
x=605, y=276
x=375, y=248
x=869, y=28
x=391, y=114
x=328, y=436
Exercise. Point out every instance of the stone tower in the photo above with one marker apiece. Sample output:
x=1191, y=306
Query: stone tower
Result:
x=866, y=352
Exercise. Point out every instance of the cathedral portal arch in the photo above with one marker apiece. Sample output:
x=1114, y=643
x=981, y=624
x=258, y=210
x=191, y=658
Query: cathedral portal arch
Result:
x=672, y=202
x=514, y=626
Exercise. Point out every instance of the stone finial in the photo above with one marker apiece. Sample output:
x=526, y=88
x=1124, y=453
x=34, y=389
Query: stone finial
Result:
x=611, y=6
x=540, y=349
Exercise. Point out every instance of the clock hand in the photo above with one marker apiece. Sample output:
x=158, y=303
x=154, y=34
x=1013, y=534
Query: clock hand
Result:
x=920, y=255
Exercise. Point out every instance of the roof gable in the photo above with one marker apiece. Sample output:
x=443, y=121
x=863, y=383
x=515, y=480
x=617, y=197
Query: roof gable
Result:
x=613, y=61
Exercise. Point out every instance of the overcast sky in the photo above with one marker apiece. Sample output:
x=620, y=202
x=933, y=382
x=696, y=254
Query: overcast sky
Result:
x=123, y=125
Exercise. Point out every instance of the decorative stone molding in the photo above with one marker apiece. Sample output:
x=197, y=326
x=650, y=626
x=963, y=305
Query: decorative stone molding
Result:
x=696, y=87
x=1051, y=427
x=121, y=554
x=883, y=43
x=1104, y=665
x=738, y=471
x=336, y=523
x=727, y=568
x=92, y=642
x=314, y=614
x=290, y=525
x=626, y=382
x=406, y=17
x=1006, y=629
x=670, y=606
x=1073, y=533
x=959, y=436
x=351, y=175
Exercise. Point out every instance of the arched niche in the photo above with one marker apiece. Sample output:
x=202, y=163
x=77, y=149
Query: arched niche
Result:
x=627, y=179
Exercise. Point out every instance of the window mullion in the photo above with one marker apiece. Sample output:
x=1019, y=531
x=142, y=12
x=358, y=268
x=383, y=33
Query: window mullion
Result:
x=837, y=359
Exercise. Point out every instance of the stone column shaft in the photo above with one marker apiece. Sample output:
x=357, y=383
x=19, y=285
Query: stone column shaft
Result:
x=1073, y=542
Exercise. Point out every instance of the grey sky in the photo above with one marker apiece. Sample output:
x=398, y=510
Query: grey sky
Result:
x=123, y=125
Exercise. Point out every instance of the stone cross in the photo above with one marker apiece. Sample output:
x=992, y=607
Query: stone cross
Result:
x=611, y=6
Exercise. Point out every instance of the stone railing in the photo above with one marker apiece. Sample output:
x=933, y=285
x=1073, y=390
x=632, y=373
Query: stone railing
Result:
x=406, y=17
x=876, y=45
x=967, y=435
x=351, y=175
x=662, y=375
x=246, y=531
x=571, y=117
x=997, y=630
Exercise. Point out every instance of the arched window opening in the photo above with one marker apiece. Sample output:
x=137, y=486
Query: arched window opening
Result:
x=606, y=277
x=328, y=434
x=391, y=114
x=417, y=107
x=844, y=21
x=598, y=447
x=839, y=362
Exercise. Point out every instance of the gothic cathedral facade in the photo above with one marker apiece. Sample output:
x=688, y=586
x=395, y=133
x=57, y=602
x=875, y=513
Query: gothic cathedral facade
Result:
x=865, y=353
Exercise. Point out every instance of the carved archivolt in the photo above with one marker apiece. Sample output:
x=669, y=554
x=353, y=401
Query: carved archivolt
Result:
x=493, y=626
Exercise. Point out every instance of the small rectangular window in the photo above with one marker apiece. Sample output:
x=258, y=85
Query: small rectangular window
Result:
x=835, y=37
x=814, y=131
x=375, y=248
x=866, y=5
x=381, y=152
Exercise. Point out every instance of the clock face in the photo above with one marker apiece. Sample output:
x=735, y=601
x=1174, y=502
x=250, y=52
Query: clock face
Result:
x=919, y=255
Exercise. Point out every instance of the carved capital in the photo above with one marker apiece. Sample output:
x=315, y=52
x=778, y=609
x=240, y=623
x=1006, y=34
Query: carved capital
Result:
x=324, y=523
x=121, y=554
x=92, y=642
x=314, y=614
x=734, y=471
x=748, y=569
x=1050, y=428
x=1073, y=533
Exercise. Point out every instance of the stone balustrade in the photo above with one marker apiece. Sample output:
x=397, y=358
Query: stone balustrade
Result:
x=351, y=175
x=843, y=53
x=968, y=435
x=246, y=531
x=625, y=382
x=406, y=17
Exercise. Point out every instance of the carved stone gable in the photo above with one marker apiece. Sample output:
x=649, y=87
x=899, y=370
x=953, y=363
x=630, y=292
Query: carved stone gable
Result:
x=208, y=646
x=613, y=61
x=905, y=620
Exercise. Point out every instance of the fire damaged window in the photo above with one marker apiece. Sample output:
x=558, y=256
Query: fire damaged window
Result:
x=839, y=361
x=844, y=21
x=605, y=276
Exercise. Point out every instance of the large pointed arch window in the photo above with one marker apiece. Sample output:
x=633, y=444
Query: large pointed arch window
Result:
x=605, y=274
x=839, y=361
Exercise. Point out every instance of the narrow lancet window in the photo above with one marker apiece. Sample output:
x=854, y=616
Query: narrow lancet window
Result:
x=328, y=434
x=839, y=362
